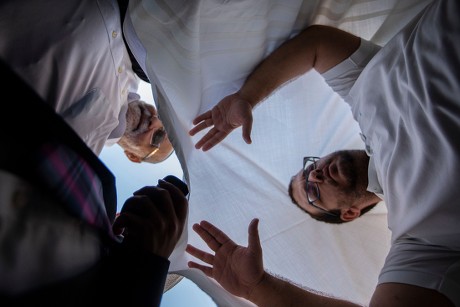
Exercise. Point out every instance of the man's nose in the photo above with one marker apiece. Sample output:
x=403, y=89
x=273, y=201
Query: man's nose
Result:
x=316, y=175
x=152, y=122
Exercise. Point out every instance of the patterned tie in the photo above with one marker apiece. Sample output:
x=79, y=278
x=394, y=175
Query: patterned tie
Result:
x=74, y=183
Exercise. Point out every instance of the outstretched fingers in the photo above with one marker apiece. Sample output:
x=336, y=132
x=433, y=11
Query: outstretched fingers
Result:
x=205, y=139
x=198, y=253
x=213, y=236
x=213, y=140
x=202, y=117
x=198, y=128
x=205, y=269
x=215, y=232
x=246, y=131
x=202, y=122
x=209, y=239
x=253, y=236
x=213, y=137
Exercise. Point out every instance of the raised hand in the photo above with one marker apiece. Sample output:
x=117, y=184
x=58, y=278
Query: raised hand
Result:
x=230, y=113
x=236, y=268
x=153, y=219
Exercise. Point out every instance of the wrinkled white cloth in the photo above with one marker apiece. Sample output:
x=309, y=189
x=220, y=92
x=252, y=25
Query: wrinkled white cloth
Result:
x=197, y=52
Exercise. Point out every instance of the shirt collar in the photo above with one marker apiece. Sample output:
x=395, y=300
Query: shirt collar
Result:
x=374, y=184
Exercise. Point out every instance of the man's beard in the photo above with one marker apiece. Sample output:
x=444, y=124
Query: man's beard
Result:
x=352, y=171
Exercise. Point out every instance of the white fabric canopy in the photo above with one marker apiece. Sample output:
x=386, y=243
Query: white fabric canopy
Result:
x=200, y=51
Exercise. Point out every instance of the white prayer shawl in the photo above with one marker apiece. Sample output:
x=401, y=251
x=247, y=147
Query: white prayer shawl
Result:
x=199, y=51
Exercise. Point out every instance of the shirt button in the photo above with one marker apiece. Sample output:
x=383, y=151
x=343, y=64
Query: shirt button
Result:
x=114, y=34
x=120, y=70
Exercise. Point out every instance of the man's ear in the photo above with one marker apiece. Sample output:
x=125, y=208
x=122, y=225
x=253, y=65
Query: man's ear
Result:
x=132, y=157
x=350, y=214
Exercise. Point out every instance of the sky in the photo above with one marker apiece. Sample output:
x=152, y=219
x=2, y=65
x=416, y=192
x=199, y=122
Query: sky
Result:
x=133, y=176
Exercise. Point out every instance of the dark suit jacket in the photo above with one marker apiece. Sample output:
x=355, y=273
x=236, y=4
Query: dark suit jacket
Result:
x=122, y=277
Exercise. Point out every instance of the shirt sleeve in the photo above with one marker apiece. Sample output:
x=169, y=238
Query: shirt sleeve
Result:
x=415, y=262
x=132, y=277
x=342, y=77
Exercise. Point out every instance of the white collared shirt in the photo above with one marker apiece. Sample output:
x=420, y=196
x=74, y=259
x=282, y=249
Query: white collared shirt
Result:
x=72, y=53
x=406, y=101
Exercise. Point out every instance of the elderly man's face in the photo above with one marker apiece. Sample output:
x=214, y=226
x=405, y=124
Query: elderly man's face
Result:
x=145, y=138
x=341, y=178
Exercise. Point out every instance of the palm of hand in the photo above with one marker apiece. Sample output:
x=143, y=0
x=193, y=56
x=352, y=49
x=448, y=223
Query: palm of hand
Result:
x=231, y=113
x=238, y=269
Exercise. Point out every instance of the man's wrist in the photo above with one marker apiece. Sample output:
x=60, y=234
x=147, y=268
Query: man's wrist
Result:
x=260, y=290
x=247, y=96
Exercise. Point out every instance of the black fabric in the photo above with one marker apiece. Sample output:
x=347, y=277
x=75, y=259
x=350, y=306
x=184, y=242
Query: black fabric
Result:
x=27, y=122
x=122, y=277
x=123, y=6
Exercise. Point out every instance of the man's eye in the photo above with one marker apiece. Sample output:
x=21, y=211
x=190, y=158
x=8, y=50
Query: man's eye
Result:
x=158, y=137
